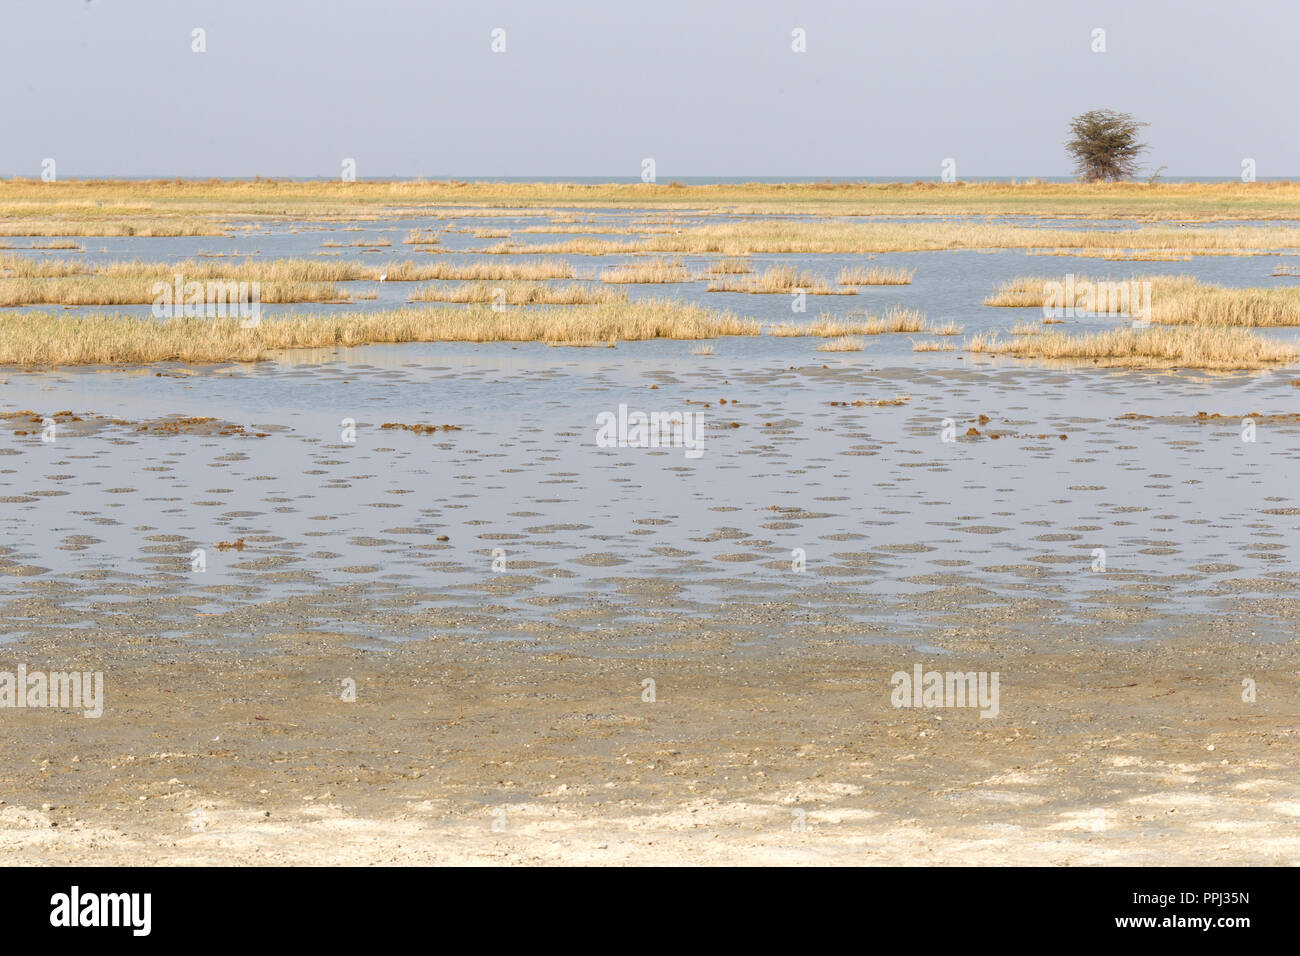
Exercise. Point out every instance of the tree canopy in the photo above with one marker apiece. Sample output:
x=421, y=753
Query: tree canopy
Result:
x=1105, y=145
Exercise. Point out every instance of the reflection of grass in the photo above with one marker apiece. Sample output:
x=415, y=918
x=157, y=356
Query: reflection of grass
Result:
x=583, y=344
x=859, y=276
x=45, y=339
x=518, y=293
x=1186, y=347
x=895, y=320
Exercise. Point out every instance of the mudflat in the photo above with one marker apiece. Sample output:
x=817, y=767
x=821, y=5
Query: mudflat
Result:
x=456, y=752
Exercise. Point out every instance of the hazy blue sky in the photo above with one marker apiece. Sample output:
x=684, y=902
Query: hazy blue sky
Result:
x=411, y=87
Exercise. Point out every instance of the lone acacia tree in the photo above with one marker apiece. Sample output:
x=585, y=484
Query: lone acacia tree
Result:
x=1105, y=145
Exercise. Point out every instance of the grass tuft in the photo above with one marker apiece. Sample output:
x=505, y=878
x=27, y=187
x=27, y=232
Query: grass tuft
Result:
x=1203, y=347
x=46, y=339
x=859, y=276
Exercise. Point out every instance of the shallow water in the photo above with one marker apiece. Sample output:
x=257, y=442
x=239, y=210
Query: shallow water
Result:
x=899, y=528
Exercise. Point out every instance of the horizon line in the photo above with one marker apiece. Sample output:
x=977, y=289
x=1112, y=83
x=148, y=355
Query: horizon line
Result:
x=702, y=179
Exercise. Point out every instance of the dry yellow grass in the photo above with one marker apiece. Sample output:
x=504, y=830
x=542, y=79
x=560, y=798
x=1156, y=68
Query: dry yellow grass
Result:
x=1175, y=300
x=249, y=270
x=486, y=269
x=1214, y=305
x=25, y=281
x=729, y=267
x=1026, y=328
x=22, y=267
x=930, y=345
x=115, y=199
x=292, y=270
x=45, y=339
x=895, y=320
x=778, y=279
x=570, y=247
x=826, y=237
x=518, y=293
x=59, y=244
x=656, y=270
x=559, y=228
x=357, y=244
x=1028, y=291
x=457, y=212
x=134, y=290
x=846, y=344
x=880, y=276
x=171, y=208
x=1022, y=292
x=1118, y=255
x=1201, y=347
x=153, y=226
x=422, y=237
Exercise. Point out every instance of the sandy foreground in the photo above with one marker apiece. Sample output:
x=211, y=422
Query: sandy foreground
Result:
x=464, y=753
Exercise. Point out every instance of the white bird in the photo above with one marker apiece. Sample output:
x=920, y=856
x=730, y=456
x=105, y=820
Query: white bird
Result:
x=383, y=277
